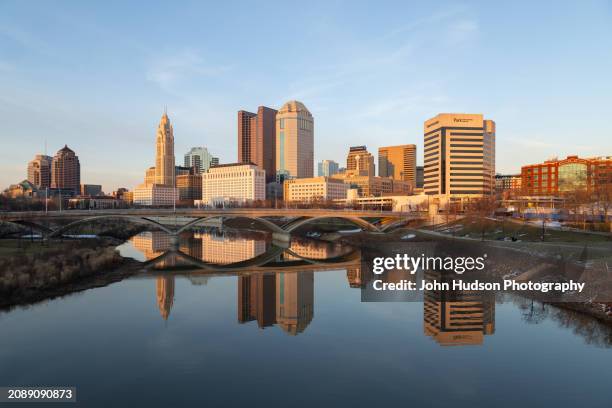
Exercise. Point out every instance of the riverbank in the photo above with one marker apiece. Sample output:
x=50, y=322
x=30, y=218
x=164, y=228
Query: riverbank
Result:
x=517, y=258
x=34, y=271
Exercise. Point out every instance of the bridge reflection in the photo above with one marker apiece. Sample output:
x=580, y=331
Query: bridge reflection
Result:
x=280, y=291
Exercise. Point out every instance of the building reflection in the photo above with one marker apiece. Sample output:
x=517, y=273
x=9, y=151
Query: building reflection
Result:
x=219, y=249
x=165, y=295
x=283, y=299
x=312, y=250
x=457, y=317
x=257, y=299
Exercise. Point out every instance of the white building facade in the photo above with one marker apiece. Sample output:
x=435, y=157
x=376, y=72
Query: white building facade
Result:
x=228, y=183
x=314, y=188
x=155, y=195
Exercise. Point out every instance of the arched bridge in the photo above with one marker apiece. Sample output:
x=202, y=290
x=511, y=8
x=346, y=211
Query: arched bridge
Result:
x=296, y=218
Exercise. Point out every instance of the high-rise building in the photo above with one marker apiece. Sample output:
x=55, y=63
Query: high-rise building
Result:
x=233, y=182
x=164, y=155
x=257, y=139
x=398, y=162
x=420, y=181
x=360, y=162
x=294, y=141
x=200, y=158
x=150, y=176
x=66, y=170
x=459, y=155
x=92, y=190
x=39, y=171
x=327, y=168
x=189, y=187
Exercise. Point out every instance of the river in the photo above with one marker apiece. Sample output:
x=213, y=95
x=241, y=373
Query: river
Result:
x=296, y=337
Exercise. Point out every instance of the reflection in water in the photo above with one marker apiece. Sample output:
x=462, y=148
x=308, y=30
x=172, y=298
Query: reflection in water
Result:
x=285, y=299
x=458, y=317
x=283, y=295
x=165, y=295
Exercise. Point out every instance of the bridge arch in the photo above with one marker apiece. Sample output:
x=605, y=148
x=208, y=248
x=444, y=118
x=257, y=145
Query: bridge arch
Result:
x=29, y=224
x=269, y=224
x=292, y=226
x=61, y=230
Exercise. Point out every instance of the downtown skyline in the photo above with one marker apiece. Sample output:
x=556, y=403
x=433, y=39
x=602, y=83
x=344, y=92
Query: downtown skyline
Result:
x=368, y=81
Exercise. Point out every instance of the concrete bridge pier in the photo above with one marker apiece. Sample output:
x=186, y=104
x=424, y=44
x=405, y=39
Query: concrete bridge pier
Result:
x=282, y=238
x=174, y=242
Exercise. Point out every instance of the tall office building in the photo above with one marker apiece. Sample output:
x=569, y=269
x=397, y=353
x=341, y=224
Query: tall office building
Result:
x=200, y=158
x=66, y=170
x=459, y=155
x=164, y=155
x=420, y=181
x=294, y=141
x=257, y=139
x=327, y=168
x=360, y=162
x=39, y=171
x=398, y=162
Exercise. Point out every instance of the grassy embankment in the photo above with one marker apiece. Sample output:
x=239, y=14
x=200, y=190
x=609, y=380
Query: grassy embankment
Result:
x=490, y=229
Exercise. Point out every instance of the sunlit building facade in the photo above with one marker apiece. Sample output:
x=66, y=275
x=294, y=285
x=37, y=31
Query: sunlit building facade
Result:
x=314, y=189
x=398, y=162
x=294, y=141
x=569, y=175
x=233, y=183
x=257, y=139
x=459, y=155
x=39, y=171
x=164, y=153
x=360, y=162
x=66, y=170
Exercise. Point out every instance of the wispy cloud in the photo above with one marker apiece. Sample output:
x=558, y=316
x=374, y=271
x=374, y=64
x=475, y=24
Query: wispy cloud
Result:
x=462, y=31
x=170, y=70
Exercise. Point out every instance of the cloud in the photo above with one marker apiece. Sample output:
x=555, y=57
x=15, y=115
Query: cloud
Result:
x=171, y=70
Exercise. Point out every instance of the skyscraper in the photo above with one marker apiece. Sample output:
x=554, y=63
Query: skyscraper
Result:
x=459, y=156
x=198, y=157
x=294, y=141
x=66, y=170
x=327, y=168
x=39, y=171
x=164, y=155
x=398, y=162
x=257, y=139
x=360, y=162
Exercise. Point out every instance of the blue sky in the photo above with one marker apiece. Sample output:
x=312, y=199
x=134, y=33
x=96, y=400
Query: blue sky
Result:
x=97, y=75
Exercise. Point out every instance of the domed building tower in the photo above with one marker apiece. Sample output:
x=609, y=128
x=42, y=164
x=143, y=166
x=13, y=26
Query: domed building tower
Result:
x=294, y=141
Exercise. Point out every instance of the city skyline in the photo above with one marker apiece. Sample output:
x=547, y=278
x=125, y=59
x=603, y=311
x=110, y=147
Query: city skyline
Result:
x=367, y=86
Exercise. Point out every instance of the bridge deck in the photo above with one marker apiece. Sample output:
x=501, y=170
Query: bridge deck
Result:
x=197, y=213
